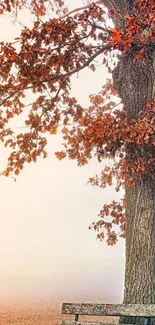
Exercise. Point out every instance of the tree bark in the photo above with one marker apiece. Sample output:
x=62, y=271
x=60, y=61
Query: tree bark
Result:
x=134, y=82
x=140, y=243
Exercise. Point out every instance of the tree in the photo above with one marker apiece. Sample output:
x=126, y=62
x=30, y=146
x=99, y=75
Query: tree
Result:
x=43, y=59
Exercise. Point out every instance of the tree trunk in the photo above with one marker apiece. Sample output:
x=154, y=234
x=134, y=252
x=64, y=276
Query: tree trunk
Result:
x=140, y=243
x=134, y=82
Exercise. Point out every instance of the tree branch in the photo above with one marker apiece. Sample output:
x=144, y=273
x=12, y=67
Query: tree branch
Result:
x=79, y=9
x=52, y=102
x=56, y=77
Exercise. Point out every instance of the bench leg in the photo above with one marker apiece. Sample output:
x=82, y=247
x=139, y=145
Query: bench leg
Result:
x=77, y=317
x=147, y=321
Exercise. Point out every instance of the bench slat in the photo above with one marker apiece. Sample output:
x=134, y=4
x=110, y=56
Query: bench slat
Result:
x=88, y=323
x=85, y=323
x=83, y=309
x=109, y=309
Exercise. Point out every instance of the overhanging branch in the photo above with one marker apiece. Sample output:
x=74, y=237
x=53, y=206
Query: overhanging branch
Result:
x=60, y=76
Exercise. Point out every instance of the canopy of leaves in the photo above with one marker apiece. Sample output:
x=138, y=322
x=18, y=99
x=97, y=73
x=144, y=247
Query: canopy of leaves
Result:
x=46, y=57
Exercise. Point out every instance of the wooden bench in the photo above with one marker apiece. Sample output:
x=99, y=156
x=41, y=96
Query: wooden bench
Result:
x=146, y=311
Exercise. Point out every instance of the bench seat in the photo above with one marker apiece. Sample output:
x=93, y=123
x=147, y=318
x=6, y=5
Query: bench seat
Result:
x=110, y=310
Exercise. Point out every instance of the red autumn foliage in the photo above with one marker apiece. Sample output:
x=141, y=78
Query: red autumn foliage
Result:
x=50, y=53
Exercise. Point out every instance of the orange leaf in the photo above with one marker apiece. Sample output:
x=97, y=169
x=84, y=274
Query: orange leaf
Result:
x=60, y=155
x=13, y=57
x=53, y=131
x=116, y=35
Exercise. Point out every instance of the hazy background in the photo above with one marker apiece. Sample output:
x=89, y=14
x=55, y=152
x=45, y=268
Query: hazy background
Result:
x=46, y=248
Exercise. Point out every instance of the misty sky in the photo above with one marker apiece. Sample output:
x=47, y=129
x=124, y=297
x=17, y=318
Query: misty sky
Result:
x=45, y=245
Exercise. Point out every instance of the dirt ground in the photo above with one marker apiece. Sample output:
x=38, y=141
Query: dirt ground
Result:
x=38, y=313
